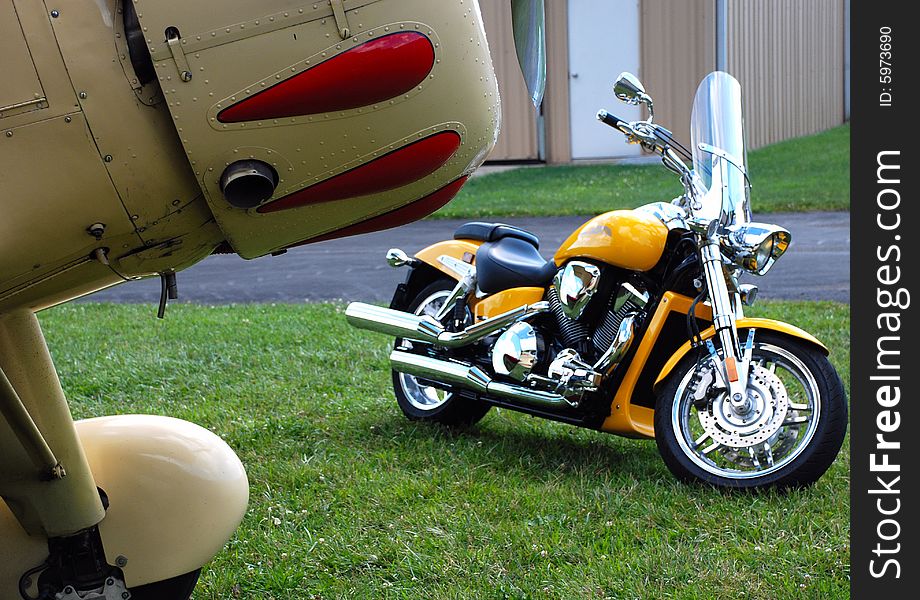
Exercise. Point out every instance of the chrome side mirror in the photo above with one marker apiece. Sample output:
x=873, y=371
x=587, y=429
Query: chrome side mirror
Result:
x=629, y=89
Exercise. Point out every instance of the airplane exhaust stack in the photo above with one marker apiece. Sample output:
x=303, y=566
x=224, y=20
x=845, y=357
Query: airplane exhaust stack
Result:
x=248, y=183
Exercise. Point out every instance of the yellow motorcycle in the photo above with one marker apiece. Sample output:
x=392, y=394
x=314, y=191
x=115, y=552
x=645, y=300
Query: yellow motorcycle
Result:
x=635, y=327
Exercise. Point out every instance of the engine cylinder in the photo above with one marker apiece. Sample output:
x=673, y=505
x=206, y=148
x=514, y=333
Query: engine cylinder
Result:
x=574, y=333
x=628, y=299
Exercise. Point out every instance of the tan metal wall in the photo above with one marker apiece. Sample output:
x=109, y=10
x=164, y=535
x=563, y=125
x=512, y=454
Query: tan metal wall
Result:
x=787, y=54
x=677, y=51
x=518, y=137
x=556, y=122
x=789, y=57
x=20, y=81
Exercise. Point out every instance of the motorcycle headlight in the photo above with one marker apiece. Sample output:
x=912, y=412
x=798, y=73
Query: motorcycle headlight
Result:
x=755, y=246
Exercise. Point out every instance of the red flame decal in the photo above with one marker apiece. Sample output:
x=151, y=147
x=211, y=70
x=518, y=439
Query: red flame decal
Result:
x=405, y=214
x=390, y=171
x=372, y=72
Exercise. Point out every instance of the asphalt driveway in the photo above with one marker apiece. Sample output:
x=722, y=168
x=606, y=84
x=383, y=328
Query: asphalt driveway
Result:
x=817, y=266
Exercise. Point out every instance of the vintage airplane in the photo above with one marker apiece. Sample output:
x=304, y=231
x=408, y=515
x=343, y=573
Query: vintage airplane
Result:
x=136, y=139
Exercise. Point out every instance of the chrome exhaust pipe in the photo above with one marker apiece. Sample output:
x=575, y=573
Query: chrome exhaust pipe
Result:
x=472, y=378
x=465, y=376
x=423, y=328
x=393, y=322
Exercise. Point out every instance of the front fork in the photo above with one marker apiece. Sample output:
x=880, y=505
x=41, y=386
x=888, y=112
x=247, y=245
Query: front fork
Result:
x=734, y=365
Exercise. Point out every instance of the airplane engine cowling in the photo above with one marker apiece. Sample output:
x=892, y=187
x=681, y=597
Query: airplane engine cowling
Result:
x=123, y=124
x=362, y=107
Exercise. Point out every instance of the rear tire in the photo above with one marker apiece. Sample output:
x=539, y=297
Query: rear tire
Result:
x=177, y=588
x=420, y=401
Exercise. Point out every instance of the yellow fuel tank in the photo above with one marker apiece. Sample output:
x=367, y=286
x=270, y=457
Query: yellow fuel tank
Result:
x=624, y=238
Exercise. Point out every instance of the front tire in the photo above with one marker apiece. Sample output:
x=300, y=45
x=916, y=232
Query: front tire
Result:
x=419, y=400
x=788, y=438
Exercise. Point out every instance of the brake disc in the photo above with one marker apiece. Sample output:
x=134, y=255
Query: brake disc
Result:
x=769, y=403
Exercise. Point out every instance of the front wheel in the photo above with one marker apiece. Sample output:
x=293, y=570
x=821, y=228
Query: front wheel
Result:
x=787, y=434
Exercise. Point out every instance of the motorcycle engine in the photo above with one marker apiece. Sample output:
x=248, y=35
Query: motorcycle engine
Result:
x=520, y=348
x=575, y=284
x=573, y=288
x=572, y=291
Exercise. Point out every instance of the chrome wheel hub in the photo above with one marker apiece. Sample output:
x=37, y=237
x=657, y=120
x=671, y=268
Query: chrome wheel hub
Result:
x=761, y=415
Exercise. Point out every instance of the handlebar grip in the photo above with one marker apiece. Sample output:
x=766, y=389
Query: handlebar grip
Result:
x=608, y=119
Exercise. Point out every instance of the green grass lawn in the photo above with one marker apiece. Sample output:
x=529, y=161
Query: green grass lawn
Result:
x=808, y=173
x=351, y=500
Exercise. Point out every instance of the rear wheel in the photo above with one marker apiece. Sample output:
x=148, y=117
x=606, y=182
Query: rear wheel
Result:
x=787, y=434
x=418, y=399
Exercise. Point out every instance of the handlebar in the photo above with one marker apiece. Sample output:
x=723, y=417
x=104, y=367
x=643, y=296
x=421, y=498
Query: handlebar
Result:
x=654, y=139
x=608, y=119
x=640, y=132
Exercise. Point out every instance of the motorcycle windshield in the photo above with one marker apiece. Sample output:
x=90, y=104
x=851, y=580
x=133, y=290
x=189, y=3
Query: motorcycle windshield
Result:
x=719, y=156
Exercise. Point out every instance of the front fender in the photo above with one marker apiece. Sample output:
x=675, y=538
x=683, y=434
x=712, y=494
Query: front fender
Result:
x=746, y=323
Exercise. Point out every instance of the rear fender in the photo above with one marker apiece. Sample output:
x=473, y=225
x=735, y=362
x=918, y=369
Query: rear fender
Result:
x=419, y=276
x=462, y=250
x=432, y=263
x=746, y=323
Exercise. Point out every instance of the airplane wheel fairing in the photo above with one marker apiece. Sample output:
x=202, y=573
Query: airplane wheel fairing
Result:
x=177, y=493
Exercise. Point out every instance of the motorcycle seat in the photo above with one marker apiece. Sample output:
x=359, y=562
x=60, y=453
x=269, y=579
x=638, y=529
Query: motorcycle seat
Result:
x=511, y=262
x=492, y=232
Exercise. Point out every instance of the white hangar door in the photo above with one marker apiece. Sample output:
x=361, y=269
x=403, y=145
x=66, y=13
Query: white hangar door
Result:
x=603, y=42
